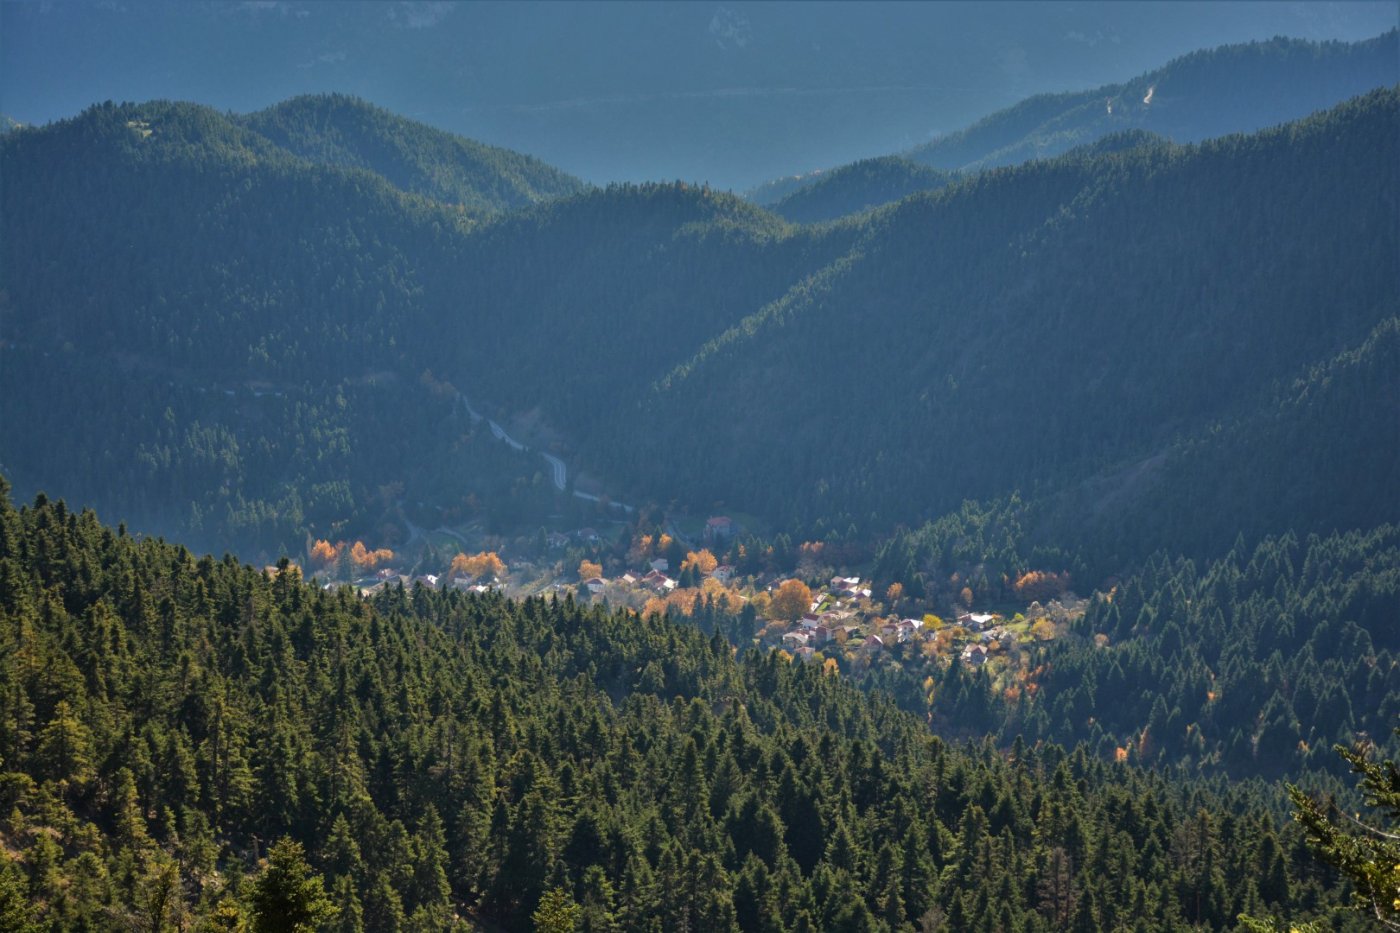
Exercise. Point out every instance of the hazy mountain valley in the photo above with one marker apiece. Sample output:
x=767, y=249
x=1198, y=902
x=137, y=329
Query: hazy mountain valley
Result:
x=979, y=538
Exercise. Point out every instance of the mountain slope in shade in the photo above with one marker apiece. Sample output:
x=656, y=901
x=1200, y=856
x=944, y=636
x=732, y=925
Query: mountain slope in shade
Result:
x=1033, y=325
x=1024, y=328
x=858, y=187
x=339, y=130
x=1232, y=89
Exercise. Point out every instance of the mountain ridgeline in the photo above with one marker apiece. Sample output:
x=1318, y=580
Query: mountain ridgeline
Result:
x=1210, y=93
x=1115, y=332
x=1213, y=92
x=858, y=187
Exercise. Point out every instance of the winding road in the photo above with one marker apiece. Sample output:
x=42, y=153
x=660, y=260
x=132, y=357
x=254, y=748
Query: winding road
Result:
x=559, y=472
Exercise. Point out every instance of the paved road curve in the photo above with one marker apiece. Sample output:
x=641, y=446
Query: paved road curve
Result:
x=559, y=472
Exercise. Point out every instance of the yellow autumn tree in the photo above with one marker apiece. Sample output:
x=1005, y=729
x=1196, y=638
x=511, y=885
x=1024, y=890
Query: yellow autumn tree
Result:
x=587, y=570
x=894, y=594
x=790, y=600
x=703, y=561
x=724, y=598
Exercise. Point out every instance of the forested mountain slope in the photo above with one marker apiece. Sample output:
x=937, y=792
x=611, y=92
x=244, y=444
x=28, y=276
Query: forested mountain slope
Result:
x=338, y=130
x=276, y=311
x=1213, y=92
x=1049, y=327
x=1032, y=327
x=447, y=759
x=1255, y=664
x=268, y=321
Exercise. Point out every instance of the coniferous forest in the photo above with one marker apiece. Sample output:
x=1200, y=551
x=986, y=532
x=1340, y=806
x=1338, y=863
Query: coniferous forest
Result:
x=190, y=742
x=398, y=533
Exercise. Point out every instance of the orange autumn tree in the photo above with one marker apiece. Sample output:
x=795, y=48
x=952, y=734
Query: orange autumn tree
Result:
x=703, y=561
x=324, y=553
x=1040, y=584
x=365, y=560
x=790, y=600
x=681, y=601
x=587, y=570
x=474, y=566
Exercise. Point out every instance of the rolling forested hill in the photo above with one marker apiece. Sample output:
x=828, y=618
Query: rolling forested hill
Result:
x=339, y=130
x=261, y=314
x=427, y=761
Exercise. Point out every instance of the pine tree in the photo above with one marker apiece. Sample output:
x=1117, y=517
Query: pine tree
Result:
x=1367, y=853
x=289, y=897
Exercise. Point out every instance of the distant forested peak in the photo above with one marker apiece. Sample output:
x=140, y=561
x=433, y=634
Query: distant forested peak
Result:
x=338, y=129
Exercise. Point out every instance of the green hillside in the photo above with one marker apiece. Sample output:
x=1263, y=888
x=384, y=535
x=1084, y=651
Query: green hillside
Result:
x=267, y=319
x=193, y=743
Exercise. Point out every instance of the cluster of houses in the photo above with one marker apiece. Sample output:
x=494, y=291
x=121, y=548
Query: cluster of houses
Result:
x=813, y=631
x=388, y=577
x=657, y=578
x=845, y=622
x=984, y=625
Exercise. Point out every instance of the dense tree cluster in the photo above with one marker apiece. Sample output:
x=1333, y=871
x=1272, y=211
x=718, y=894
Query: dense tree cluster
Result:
x=192, y=741
x=1088, y=327
x=1257, y=663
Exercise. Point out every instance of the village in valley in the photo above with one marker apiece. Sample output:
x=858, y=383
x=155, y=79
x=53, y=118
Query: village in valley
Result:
x=809, y=611
x=804, y=602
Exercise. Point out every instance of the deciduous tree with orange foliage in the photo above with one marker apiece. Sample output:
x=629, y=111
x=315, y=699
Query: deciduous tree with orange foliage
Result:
x=703, y=561
x=474, y=566
x=790, y=600
x=364, y=559
x=324, y=553
x=587, y=570
x=1040, y=584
